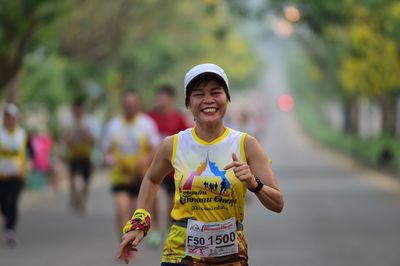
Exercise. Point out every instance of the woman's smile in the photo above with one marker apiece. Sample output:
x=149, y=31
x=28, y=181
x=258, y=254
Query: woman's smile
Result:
x=209, y=110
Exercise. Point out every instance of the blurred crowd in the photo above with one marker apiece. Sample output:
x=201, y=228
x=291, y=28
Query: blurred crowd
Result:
x=33, y=158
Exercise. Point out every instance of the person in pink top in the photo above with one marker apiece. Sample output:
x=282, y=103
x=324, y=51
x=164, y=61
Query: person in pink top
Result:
x=42, y=145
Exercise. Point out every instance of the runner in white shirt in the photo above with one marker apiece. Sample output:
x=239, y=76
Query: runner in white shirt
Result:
x=128, y=147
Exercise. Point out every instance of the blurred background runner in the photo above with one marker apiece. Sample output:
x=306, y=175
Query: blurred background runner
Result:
x=13, y=146
x=128, y=147
x=169, y=120
x=79, y=136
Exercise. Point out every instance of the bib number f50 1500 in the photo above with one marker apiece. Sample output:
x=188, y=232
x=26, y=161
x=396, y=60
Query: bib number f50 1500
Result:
x=211, y=239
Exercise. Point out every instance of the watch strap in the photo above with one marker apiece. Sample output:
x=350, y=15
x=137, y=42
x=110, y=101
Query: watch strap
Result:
x=259, y=186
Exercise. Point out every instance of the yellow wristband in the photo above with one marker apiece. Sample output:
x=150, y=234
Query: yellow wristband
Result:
x=140, y=213
x=141, y=220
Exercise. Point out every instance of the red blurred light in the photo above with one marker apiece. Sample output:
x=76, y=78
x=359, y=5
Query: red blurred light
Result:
x=285, y=103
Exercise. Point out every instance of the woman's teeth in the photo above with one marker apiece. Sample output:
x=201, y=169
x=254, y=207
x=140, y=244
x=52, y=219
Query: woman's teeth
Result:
x=209, y=110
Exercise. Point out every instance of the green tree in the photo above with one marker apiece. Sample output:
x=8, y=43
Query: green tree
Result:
x=372, y=63
x=132, y=44
x=326, y=47
x=142, y=44
x=20, y=22
x=361, y=40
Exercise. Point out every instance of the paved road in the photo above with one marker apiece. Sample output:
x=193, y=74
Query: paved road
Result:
x=336, y=213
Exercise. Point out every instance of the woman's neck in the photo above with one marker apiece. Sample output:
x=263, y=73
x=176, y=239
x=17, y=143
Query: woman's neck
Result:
x=209, y=132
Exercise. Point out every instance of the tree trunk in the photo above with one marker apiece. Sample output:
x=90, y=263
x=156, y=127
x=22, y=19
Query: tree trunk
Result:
x=389, y=114
x=8, y=72
x=10, y=62
x=351, y=116
x=13, y=90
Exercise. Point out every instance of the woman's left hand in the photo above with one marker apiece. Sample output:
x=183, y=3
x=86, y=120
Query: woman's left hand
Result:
x=242, y=171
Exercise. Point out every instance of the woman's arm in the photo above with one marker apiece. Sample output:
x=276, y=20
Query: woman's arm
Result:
x=159, y=168
x=258, y=165
x=270, y=195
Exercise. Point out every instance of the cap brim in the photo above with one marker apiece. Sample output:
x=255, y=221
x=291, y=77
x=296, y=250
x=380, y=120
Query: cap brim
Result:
x=196, y=78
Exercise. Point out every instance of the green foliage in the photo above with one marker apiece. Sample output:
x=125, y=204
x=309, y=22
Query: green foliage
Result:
x=120, y=44
x=355, y=51
x=309, y=107
x=19, y=23
x=371, y=65
x=45, y=81
x=362, y=40
x=366, y=74
x=145, y=50
x=164, y=47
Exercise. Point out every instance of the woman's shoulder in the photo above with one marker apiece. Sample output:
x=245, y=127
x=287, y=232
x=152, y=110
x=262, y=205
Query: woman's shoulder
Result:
x=252, y=146
x=237, y=135
x=233, y=131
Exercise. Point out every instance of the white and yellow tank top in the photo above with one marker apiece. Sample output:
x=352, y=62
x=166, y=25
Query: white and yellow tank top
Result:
x=128, y=141
x=203, y=190
x=12, y=152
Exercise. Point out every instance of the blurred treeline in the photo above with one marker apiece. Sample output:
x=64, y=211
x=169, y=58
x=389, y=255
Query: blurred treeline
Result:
x=52, y=51
x=351, y=57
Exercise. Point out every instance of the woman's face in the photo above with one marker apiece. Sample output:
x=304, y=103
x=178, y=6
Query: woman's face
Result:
x=208, y=102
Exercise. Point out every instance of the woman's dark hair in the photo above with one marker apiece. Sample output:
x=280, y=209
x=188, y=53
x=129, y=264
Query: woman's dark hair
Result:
x=205, y=79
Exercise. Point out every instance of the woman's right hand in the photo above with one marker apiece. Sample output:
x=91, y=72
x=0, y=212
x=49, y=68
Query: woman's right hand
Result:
x=129, y=244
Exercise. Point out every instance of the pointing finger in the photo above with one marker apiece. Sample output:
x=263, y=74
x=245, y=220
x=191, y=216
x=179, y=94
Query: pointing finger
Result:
x=235, y=162
x=229, y=166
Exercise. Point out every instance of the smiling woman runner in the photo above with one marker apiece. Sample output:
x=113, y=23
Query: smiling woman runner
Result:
x=214, y=167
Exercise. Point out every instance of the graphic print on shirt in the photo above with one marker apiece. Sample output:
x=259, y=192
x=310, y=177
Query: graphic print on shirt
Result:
x=213, y=177
x=207, y=187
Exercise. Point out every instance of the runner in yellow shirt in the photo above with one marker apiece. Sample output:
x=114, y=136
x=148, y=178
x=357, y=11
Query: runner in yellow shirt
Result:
x=79, y=135
x=214, y=167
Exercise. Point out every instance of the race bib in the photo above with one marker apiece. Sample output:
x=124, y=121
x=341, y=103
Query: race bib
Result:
x=211, y=239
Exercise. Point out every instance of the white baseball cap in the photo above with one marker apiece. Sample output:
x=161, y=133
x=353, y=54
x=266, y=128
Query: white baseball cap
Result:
x=11, y=109
x=201, y=69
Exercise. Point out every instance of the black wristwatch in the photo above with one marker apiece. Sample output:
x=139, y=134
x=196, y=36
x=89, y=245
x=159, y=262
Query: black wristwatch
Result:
x=258, y=187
